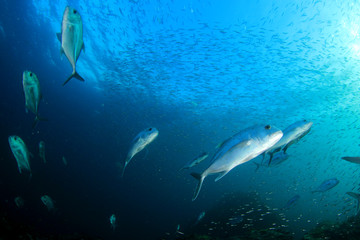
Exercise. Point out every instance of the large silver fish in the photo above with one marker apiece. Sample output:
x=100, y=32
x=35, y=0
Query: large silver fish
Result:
x=139, y=143
x=20, y=153
x=239, y=149
x=71, y=38
x=32, y=93
x=292, y=134
x=195, y=161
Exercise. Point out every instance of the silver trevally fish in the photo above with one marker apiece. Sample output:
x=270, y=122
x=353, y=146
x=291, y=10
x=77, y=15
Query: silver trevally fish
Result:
x=48, y=202
x=139, y=143
x=239, y=149
x=32, y=93
x=292, y=134
x=113, y=221
x=42, y=150
x=20, y=153
x=71, y=39
x=195, y=161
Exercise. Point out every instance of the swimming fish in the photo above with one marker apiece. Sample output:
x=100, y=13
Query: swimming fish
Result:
x=48, y=202
x=357, y=197
x=240, y=148
x=71, y=39
x=42, y=150
x=235, y=220
x=195, y=161
x=139, y=143
x=277, y=159
x=113, y=221
x=291, y=202
x=200, y=217
x=31, y=87
x=352, y=159
x=20, y=153
x=292, y=134
x=327, y=185
x=19, y=202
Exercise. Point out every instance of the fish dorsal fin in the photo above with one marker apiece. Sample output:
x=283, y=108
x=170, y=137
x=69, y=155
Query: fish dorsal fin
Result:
x=58, y=35
x=221, y=175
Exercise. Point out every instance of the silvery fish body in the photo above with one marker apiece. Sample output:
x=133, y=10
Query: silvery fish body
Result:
x=239, y=149
x=292, y=133
x=32, y=93
x=139, y=143
x=196, y=161
x=48, y=202
x=71, y=38
x=20, y=153
x=327, y=185
x=42, y=150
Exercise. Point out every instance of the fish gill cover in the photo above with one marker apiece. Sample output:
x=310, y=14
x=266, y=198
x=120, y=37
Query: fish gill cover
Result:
x=198, y=71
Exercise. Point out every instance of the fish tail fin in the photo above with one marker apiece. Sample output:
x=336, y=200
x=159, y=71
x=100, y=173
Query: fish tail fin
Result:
x=123, y=170
x=74, y=75
x=257, y=166
x=357, y=197
x=200, y=178
x=37, y=119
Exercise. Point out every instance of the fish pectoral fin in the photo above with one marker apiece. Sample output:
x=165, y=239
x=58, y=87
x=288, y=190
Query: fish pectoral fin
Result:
x=221, y=175
x=58, y=35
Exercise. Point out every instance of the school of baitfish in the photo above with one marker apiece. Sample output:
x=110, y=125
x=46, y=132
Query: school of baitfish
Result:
x=265, y=140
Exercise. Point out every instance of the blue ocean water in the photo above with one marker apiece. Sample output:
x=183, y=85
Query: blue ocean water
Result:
x=198, y=71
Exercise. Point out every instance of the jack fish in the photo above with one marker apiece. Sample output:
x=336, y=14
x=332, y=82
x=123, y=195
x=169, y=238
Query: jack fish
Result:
x=71, y=39
x=42, y=150
x=20, y=153
x=327, y=185
x=238, y=149
x=113, y=221
x=292, y=134
x=48, y=202
x=139, y=143
x=195, y=161
x=32, y=93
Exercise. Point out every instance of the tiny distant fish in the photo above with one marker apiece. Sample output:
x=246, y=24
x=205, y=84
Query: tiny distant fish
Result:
x=277, y=159
x=143, y=139
x=71, y=39
x=64, y=161
x=352, y=159
x=48, y=202
x=236, y=220
x=195, y=161
x=327, y=185
x=20, y=153
x=19, y=202
x=200, y=217
x=291, y=202
x=357, y=197
x=42, y=150
x=240, y=148
x=113, y=221
x=178, y=230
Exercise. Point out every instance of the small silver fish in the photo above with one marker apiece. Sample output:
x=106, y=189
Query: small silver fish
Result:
x=240, y=148
x=31, y=87
x=139, y=143
x=200, y=217
x=195, y=161
x=20, y=153
x=48, y=202
x=71, y=39
x=42, y=150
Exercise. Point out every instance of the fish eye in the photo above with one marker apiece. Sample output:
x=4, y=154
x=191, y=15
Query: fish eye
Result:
x=150, y=129
x=30, y=74
x=304, y=120
x=75, y=11
x=267, y=127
